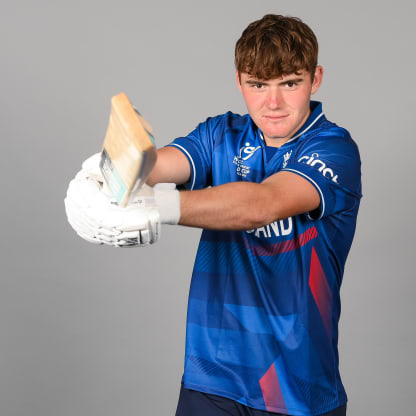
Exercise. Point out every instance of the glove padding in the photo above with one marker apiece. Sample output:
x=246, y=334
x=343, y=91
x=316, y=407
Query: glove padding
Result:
x=96, y=217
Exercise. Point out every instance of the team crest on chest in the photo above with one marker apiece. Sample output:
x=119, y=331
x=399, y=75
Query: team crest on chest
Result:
x=286, y=158
x=245, y=153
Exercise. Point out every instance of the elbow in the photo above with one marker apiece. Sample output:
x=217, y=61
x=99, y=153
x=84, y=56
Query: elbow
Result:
x=259, y=216
x=261, y=210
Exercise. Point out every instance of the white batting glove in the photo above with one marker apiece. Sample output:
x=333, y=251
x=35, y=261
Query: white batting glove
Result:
x=94, y=215
x=97, y=219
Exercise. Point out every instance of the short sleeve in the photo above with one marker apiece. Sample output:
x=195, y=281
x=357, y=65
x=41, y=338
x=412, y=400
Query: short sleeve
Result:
x=331, y=163
x=197, y=146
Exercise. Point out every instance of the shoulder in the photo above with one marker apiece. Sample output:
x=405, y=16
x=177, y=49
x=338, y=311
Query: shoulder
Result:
x=328, y=137
x=228, y=120
x=217, y=127
x=329, y=151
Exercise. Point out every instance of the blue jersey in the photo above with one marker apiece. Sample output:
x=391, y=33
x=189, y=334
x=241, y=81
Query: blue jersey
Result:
x=264, y=304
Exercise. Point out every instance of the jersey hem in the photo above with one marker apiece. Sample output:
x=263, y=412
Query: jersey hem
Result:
x=248, y=403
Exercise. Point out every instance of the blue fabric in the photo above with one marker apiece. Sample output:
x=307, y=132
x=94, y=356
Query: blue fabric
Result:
x=270, y=151
x=192, y=403
x=264, y=304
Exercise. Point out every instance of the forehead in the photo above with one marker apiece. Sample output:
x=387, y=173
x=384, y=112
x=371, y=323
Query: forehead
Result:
x=298, y=74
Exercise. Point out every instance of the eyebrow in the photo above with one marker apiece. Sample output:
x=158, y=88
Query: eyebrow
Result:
x=298, y=79
x=254, y=81
x=258, y=81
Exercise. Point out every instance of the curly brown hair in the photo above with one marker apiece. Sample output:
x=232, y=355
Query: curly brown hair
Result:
x=275, y=46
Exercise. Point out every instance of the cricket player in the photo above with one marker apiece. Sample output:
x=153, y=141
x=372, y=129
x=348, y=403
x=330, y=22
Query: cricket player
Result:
x=276, y=192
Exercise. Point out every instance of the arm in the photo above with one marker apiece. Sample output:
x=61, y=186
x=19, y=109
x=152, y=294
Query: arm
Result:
x=246, y=205
x=171, y=166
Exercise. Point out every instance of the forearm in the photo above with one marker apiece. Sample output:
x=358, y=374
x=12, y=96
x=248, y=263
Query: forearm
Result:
x=232, y=206
x=247, y=205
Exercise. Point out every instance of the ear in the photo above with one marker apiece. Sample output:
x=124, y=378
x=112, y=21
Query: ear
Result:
x=238, y=78
x=317, y=79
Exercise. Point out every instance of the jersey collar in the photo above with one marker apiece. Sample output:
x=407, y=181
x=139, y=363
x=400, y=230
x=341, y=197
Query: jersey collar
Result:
x=316, y=114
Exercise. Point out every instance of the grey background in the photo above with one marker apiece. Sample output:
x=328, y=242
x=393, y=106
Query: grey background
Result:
x=88, y=330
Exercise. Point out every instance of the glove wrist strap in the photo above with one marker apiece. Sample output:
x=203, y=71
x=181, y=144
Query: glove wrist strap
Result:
x=169, y=205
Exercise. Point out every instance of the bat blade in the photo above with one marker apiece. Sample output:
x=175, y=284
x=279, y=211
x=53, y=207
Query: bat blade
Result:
x=129, y=153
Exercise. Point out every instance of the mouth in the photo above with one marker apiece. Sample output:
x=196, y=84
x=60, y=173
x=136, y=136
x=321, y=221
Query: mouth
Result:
x=276, y=118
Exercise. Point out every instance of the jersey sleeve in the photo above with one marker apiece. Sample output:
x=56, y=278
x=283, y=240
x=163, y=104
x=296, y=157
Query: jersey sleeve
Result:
x=197, y=146
x=331, y=163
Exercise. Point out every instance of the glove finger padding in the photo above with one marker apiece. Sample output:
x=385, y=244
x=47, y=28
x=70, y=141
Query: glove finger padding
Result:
x=89, y=239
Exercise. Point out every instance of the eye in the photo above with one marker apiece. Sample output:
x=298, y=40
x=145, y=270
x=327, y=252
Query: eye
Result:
x=291, y=84
x=258, y=85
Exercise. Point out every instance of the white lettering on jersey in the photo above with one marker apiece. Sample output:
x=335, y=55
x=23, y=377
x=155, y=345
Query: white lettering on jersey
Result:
x=274, y=229
x=313, y=161
x=245, y=153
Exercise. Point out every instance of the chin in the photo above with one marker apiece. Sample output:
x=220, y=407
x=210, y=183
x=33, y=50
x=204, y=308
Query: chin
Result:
x=276, y=131
x=276, y=135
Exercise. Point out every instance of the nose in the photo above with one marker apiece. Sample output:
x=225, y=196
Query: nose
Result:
x=274, y=98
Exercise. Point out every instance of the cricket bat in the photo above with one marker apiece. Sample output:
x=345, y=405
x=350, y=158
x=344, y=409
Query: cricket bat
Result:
x=129, y=153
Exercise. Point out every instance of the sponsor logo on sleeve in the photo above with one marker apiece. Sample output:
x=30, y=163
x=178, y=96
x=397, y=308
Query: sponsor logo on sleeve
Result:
x=314, y=161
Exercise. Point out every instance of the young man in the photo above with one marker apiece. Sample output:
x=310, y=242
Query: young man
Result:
x=277, y=193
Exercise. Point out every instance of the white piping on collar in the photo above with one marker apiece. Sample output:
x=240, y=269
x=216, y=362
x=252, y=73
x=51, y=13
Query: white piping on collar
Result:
x=299, y=134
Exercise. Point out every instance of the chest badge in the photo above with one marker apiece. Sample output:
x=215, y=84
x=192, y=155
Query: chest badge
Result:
x=286, y=158
x=245, y=153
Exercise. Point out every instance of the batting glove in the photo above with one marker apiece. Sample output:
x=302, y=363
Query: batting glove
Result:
x=96, y=217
